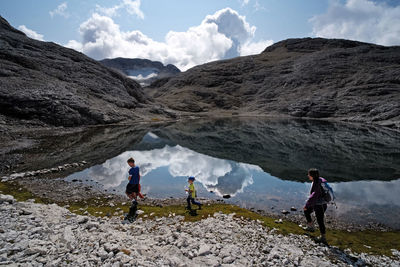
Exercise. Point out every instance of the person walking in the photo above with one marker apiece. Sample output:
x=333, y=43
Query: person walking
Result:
x=316, y=203
x=192, y=194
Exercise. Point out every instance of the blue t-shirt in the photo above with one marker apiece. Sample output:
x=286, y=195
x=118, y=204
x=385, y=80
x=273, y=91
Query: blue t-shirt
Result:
x=134, y=172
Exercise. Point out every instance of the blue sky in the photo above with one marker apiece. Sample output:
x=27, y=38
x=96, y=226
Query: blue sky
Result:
x=177, y=31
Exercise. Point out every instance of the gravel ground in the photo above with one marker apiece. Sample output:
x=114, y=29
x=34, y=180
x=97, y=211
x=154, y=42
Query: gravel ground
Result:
x=49, y=235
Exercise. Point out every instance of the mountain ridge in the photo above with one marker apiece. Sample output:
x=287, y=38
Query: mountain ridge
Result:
x=320, y=78
x=54, y=85
x=307, y=78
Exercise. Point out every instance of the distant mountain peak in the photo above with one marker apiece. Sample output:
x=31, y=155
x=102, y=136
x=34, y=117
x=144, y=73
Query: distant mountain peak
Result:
x=143, y=71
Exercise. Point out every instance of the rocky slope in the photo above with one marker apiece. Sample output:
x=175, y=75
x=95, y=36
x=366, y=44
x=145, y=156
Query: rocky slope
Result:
x=49, y=235
x=314, y=78
x=143, y=71
x=51, y=84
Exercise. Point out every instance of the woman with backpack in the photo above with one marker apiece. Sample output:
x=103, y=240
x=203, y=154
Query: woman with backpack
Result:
x=316, y=203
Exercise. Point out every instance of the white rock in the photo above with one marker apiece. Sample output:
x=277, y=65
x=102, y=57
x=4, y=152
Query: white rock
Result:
x=68, y=236
x=6, y=198
x=102, y=253
x=82, y=219
x=228, y=260
x=110, y=247
x=204, y=250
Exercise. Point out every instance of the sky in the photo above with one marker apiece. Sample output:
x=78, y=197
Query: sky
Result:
x=188, y=33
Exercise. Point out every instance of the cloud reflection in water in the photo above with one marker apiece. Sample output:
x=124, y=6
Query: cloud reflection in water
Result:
x=219, y=175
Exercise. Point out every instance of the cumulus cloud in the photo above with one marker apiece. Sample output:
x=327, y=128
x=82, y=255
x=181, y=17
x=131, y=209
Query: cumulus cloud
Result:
x=362, y=20
x=31, y=33
x=61, y=10
x=224, y=34
x=132, y=7
x=251, y=48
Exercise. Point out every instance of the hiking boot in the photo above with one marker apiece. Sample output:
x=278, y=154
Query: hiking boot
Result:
x=201, y=205
x=322, y=240
x=309, y=229
x=188, y=207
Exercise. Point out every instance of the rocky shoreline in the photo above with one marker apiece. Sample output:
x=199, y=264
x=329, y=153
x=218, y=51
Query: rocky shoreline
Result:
x=49, y=235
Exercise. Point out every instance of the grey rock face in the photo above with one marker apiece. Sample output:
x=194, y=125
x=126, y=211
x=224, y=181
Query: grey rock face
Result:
x=314, y=78
x=49, y=83
x=149, y=71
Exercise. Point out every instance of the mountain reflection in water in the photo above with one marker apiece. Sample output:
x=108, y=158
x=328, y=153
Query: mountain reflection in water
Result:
x=263, y=164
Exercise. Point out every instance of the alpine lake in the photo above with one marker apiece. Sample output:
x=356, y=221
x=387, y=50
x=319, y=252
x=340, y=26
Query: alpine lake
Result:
x=255, y=163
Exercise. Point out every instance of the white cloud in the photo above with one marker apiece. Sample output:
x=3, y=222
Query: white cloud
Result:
x=31, y=33
x=258, y=6
x=60, y=10
x=131, y=6
x=251, y=48
x=140, y=77
x=245, y=2
x=224, y=34
x=362, y=20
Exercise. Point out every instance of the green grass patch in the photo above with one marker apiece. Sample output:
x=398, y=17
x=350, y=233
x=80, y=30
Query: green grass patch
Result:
x=19, y=192
x=373, y=242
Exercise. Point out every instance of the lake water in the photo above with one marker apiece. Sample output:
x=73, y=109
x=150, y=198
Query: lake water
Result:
x=263, y=164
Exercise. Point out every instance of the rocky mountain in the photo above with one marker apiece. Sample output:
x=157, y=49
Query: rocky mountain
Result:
x=143, y=71
x=313, y=78
x=48, y=83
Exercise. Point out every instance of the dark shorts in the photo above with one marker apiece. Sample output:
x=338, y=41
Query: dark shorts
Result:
x=132, y=188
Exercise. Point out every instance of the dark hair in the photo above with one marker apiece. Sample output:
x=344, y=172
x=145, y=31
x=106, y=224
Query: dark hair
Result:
x=314, y=173
x=131, y=160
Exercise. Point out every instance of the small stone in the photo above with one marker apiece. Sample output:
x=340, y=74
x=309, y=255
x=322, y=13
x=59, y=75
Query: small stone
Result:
x=109, y=247
x=7, y=198
x=228, y=260
x=285, y=212
x=25, y=212
x=293, y=209
x=82, y=219
x=204, y=250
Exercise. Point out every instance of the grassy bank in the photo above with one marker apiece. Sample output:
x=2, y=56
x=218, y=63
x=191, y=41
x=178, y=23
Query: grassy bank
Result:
x=373, y=242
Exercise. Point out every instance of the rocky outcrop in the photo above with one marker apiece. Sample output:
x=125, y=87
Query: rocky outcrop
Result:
x=143, y=71
x=313, y=78
x=51, y=84
x=51, y=235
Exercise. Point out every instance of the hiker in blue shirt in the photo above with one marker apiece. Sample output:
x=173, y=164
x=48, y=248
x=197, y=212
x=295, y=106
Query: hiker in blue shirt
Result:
x=132, y=189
